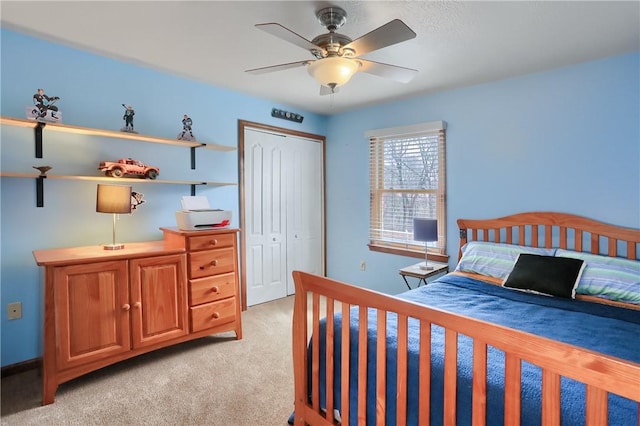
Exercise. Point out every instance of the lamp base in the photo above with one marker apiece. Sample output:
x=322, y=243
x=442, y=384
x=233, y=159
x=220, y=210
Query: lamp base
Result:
x=426, y=267
x=113, y=246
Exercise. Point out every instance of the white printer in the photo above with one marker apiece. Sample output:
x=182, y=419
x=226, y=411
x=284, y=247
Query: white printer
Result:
x=197, y=215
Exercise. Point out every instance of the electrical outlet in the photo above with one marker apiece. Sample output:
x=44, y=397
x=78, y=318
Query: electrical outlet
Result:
x=14, y=310
x=363, y=266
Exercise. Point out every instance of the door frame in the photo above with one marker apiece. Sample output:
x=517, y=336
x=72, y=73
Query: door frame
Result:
x=242, y=124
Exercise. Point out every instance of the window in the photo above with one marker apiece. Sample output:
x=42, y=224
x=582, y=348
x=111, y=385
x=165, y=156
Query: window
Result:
x=407, y=180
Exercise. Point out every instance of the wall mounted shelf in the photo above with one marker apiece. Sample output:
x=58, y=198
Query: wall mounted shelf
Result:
x=104, y=178
x=40, y=182
x=65, y=128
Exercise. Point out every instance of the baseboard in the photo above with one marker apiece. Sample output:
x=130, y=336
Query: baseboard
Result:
x=21, y=367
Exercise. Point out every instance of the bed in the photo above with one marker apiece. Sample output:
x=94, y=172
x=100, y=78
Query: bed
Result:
x=467, y=350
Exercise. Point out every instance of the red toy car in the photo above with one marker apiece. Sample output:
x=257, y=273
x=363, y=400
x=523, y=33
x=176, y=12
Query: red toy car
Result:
x=128, y=167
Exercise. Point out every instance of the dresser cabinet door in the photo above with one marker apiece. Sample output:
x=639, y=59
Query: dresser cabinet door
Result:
x=91, y=312
x=158, y=299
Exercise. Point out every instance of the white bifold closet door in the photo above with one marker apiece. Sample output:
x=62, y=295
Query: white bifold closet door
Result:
x=284, y=212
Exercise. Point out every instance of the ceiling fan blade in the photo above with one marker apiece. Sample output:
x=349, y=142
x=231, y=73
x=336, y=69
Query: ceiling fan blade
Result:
x=394, y=72
x=390, y=33
x=288, y=35
x=280, y=67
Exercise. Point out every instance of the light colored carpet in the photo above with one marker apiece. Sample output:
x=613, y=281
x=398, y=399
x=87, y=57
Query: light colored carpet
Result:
x=216, y=380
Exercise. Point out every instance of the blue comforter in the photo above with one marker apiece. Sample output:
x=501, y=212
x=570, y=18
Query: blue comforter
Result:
x=605, y=329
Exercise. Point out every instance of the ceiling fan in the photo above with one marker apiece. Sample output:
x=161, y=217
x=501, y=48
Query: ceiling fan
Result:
x=338, y=57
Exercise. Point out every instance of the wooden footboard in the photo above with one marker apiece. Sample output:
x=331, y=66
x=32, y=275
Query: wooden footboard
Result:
x=317, y=297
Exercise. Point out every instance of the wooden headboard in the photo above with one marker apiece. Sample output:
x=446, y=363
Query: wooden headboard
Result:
x=553, y=230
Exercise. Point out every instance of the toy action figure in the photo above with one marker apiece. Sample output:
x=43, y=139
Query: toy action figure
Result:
x=44, y=104
x=128, y=118
x=186, y=128
x=136, y=200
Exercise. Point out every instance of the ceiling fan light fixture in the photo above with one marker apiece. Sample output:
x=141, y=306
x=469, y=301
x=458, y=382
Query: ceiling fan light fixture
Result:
x=333, y=71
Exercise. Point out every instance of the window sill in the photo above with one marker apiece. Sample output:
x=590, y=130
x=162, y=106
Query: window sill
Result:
x=409, y=253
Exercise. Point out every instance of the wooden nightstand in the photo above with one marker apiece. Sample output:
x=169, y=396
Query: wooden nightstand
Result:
x=415, y=271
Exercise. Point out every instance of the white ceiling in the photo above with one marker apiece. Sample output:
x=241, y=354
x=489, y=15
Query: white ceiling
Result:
x=457, y=44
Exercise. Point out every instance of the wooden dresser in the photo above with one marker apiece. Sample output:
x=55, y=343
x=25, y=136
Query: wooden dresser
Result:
x=104, y=306
x=212, y=270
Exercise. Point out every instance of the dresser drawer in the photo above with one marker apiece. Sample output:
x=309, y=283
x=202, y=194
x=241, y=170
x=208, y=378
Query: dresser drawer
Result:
x=210, y=289
x=212, y=314
x=206, y=242
x=211, y=262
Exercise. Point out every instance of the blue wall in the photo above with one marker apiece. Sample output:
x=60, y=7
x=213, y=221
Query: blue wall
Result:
x=92, y=89
x=564, y=140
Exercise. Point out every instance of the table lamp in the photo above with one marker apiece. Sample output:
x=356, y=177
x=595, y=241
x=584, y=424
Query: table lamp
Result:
x=425, y=230
x=113, y=199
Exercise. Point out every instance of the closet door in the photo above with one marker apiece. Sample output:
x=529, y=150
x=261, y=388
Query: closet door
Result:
x=305, y=211
x=265, y=217
x=283, y=210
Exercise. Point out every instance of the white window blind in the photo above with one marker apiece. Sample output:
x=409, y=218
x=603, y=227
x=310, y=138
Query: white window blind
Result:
x=407, y=180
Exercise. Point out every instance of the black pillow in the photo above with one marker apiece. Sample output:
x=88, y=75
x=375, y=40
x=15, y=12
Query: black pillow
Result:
x=553, y=276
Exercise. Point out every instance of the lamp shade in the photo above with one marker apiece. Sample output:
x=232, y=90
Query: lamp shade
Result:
x=113, y=199
x=425, y=230
x=333, y=71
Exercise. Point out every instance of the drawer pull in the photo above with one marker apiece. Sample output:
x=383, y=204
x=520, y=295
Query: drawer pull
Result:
x=126, y=307
x=214, y=242
x=212, y=263
x=215, y=289
x=137, y=305
x=216, y=315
